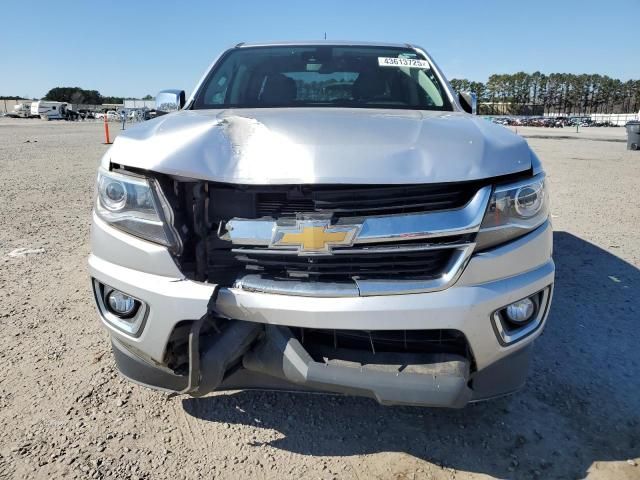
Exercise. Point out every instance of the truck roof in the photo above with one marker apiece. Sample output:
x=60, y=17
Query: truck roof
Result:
x=321, y=42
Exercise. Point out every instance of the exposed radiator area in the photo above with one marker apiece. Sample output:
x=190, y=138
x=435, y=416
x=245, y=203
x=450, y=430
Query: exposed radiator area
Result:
x=211, y=216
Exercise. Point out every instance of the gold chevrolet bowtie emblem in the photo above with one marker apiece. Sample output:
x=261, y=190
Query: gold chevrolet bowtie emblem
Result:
x=314, y=236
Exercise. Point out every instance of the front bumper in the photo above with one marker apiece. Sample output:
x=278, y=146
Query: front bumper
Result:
x=490, y=281
x=279, y=362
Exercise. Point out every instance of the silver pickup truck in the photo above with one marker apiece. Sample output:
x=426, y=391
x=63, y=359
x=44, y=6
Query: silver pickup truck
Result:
x=323, y=216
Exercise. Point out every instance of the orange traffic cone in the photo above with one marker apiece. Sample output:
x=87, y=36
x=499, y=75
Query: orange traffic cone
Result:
x=106, y=131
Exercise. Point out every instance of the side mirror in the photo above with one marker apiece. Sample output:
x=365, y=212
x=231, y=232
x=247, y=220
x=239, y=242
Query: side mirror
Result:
x=170, y=100
x=468, y=102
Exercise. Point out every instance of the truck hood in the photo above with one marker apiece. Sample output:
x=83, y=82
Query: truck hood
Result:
x=322, y=145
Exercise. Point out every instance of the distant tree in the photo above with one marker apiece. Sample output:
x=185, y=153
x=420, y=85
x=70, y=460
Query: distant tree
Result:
x=460, y=84
x=77, y=98
x=147, y=97
x=562, y=93
x=92, y=97
x=112, y=100
x=61, y=94
x=74, y=95
x=479, y=89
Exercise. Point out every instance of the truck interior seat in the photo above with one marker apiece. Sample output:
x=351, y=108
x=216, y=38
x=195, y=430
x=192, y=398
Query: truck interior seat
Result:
x=369, y=86
x=277, y=89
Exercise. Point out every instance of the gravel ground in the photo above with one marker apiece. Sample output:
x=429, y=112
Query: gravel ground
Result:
x=65, y=412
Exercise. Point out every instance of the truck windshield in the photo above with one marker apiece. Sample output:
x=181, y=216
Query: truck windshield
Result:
x=322, y=76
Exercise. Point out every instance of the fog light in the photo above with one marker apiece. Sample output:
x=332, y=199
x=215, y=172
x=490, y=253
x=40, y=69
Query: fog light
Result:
x=120, y=310
x=521, y=311
x=519, y=319
x=120, y=303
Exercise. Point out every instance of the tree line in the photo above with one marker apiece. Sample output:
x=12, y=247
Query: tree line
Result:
x=10, y=97
x=536, y=93
x=79, y=96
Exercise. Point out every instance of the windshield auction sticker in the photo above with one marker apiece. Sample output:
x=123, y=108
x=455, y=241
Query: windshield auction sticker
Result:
x=402, y=62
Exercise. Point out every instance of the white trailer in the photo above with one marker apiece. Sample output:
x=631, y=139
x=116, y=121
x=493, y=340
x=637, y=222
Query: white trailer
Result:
x=48, y=110
x=22, y=110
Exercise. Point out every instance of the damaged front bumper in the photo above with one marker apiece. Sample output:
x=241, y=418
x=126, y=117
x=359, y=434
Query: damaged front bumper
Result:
x=260, y=347
x=278, y=360
x=438, y=380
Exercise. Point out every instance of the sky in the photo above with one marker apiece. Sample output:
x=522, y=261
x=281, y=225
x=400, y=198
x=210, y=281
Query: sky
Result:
x=132, y=48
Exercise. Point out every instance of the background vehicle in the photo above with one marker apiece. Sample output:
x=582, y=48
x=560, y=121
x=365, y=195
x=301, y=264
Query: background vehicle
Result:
x=138, y=114
x=86, y=114
x=21, y=110
x=111, y=115
x=48, y=110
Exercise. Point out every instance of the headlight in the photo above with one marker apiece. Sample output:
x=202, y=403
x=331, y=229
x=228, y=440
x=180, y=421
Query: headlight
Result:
x=514, y=210
x=135, y=205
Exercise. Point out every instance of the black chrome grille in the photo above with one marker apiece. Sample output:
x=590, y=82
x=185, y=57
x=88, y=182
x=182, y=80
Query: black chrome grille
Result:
x=202, y=210
x=346, y=266
x=349, y=201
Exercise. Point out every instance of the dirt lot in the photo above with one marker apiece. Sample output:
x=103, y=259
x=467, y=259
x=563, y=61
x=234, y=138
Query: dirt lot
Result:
x=64, y=411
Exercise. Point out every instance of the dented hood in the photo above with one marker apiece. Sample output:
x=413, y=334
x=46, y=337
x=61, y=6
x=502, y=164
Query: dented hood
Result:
x=322, y=145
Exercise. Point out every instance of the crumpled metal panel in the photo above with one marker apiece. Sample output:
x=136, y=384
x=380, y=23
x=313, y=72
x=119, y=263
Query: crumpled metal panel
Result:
x=322, y=145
